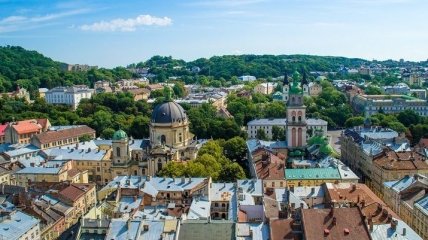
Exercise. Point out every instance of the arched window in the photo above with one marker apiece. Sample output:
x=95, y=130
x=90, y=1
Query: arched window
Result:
x=117, y=151
x=180, y=138
x=300, y=118
x=294, y=118
x=159, y=165
x=163, y=139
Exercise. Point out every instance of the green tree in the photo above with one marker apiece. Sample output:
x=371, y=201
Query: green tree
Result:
x=408, y=117
x=85, y=138
x=354, y=121
x=235, y=148
x=397, y=126
x=278, y=133
x=107, y=133
x=261, y=134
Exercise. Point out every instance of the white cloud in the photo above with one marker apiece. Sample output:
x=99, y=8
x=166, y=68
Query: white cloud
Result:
x=127, y=25
x=17, y=23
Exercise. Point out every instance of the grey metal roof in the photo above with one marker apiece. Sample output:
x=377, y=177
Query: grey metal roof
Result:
x=168, y=112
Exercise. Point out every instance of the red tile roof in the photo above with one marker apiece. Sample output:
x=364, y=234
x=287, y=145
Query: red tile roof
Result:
x=27, y=126
x=339, y=223
x=363, y=197
x=408, y=160
x=75, y=191
x=268, y=166
x=282, y=229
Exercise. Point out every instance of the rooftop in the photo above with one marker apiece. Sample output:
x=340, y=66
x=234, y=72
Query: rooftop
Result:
x=363, y=197
x=339, y=223
x=407, y=160
x=121, y=229
x=17, y=225
x=66, y=133
x=385, y=232
x=201, y=229
x=312, y=173
x=422, y=205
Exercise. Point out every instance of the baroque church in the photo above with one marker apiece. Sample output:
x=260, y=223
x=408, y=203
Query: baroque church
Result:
x=170, y=140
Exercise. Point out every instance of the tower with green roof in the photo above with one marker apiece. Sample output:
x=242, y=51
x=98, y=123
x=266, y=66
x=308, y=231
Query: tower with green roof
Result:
x=120, y=144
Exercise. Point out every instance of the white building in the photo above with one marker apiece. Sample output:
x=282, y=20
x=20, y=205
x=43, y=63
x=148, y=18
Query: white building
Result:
x=266, y=124
x=247, y=78
x=18, y=225
x=68, y=95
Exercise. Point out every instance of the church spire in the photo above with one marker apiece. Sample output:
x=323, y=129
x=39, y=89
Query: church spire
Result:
x=285, y=81
x=304, y=79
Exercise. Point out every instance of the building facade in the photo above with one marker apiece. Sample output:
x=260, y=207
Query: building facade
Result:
x=68, y=95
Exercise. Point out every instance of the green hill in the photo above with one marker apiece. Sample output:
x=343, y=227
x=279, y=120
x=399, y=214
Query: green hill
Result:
x=31, y=70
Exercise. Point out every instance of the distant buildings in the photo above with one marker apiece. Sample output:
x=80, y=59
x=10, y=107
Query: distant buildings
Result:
x=68, y=95
x=19, y=93
x=247, y=78
x=265, y=88
x=372, y=104
x=78, y=67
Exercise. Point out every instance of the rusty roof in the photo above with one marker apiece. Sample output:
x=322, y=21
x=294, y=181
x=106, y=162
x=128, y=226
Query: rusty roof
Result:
x=360, y=195
x=268, y=166
x=406, y=160
x=53, y=136
x=75, y=191
x=336, y=223
x=282, y=229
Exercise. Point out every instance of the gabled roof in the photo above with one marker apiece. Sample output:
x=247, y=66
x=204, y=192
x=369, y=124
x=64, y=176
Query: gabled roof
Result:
x=27, y=126
x=53, y=136
x=349, y=224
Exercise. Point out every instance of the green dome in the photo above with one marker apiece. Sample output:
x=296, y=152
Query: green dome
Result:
x=120, y=135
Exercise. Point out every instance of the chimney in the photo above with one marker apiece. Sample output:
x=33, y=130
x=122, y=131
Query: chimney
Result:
x=354, y=187
x=334, y=221
x=183, y=179
x=149, y=177
x=379, y=207
x=331, y=211
x=312, y=191
x=363, y=203
x=394, y=225
x=370, y=222
x=389, y=218
x=404, y=231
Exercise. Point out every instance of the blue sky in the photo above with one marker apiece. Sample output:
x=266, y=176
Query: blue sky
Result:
x=112, y=33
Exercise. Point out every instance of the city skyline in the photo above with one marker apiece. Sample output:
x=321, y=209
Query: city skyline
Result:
x=109, y=34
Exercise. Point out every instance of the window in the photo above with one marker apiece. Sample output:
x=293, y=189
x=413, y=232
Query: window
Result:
x=117, y=151
x=163, y=139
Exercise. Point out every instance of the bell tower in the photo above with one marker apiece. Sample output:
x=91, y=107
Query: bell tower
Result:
x=285, y=88
x=296, y=116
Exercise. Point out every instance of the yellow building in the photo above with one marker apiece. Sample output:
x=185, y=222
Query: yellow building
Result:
x=82, y=197
x=420, y=220
x=391, y=165
x=52, y=171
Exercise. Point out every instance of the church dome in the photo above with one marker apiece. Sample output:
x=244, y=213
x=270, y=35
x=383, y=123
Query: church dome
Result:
x=120, y=135
x=168, y=112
